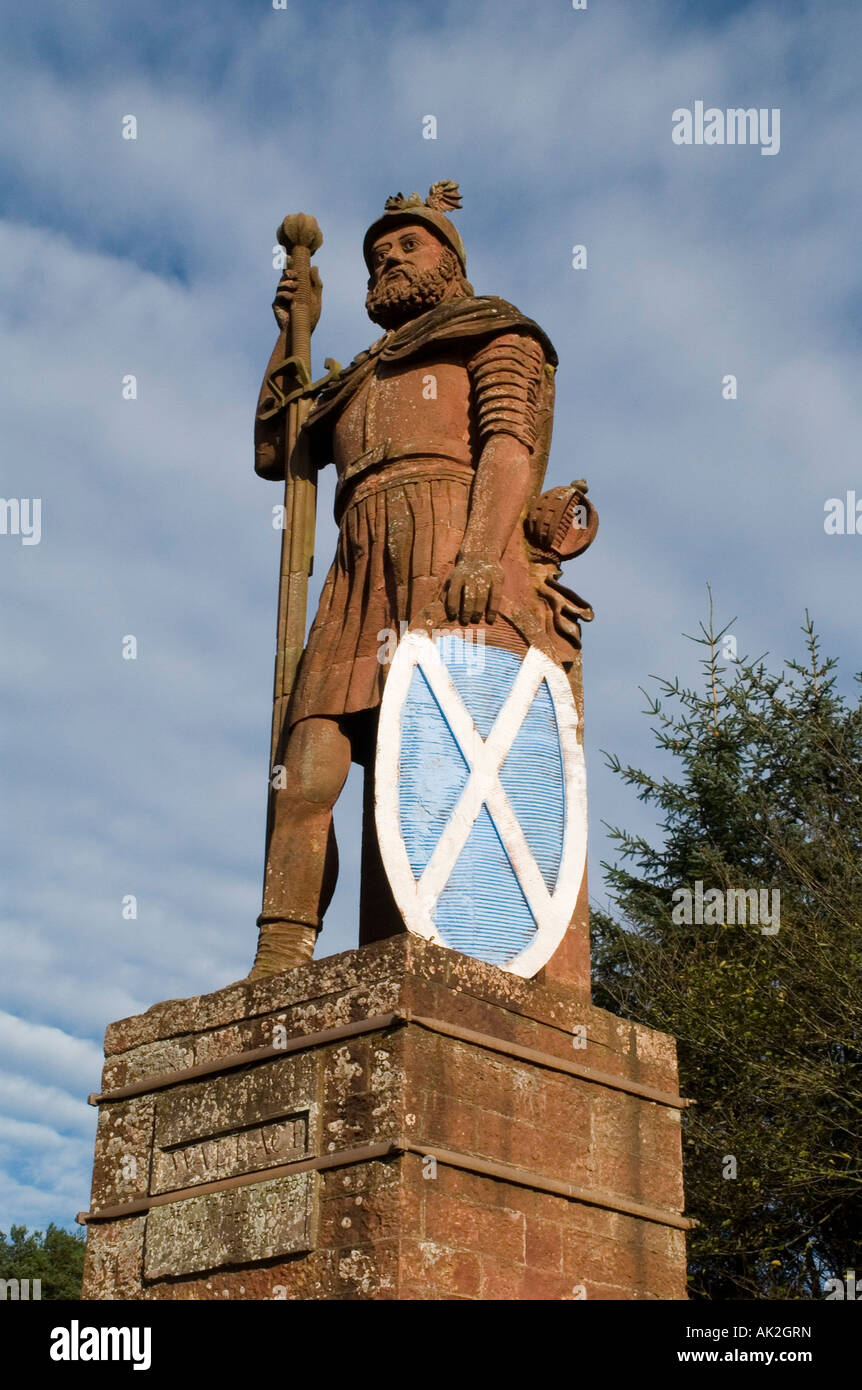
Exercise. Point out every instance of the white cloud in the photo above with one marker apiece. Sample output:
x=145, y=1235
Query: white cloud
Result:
x=49, y=1053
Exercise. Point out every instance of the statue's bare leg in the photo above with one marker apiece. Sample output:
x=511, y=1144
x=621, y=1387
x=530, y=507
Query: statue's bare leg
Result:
x=302, y=863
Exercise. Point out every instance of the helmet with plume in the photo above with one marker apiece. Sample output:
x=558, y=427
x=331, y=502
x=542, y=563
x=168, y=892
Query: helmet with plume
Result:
x=400, y=211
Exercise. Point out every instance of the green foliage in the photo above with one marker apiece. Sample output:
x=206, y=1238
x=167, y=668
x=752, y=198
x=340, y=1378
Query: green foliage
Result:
x=57, y=1258
x=767, y=793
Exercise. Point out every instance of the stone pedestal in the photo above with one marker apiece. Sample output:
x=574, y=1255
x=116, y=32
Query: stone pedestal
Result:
x=397, y=1122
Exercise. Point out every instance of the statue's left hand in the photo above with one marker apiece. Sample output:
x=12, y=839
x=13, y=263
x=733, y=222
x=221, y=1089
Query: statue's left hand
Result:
x=473, y=590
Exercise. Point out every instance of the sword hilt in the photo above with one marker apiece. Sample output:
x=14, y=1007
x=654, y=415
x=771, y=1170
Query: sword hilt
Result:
x=300, y=236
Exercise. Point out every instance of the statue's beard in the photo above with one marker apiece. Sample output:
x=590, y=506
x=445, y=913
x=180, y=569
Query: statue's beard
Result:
x=397, y=298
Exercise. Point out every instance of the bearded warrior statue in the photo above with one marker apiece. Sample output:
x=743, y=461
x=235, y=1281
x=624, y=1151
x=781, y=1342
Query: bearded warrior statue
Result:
x=439, y=434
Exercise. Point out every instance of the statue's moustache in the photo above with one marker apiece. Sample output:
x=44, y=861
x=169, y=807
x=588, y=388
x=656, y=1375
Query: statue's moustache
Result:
x=410, y=272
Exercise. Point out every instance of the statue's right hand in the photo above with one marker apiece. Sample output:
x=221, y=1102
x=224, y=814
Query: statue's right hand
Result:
x=286, y=291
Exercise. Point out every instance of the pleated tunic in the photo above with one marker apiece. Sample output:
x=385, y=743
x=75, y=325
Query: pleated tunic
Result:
x=403, y=517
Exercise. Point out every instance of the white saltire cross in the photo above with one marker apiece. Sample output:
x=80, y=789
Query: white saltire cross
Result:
x=484, y=758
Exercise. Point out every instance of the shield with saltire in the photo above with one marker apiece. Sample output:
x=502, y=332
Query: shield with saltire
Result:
x=481, y=798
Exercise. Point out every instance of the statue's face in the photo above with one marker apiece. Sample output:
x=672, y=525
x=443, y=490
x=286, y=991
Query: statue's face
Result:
x=395, y=251
x=411, y=271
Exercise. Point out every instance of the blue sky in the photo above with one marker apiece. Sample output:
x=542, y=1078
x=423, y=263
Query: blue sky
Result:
x=153, y=257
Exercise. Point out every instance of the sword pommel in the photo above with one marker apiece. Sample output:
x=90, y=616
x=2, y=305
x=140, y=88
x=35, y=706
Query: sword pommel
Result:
x=300, y=229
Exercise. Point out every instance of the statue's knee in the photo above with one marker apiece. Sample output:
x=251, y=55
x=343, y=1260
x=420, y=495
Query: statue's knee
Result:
x=317, y=761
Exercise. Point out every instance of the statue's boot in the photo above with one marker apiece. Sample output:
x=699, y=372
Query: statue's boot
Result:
x=281, y=946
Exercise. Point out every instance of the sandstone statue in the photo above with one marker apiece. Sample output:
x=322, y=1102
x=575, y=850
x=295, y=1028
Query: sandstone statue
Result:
x=439, y=433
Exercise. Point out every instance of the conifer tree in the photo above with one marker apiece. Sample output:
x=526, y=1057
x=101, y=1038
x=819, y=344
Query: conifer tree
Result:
x=766, y=793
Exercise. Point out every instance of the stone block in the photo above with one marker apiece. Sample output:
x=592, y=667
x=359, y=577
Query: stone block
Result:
x=420, y=1154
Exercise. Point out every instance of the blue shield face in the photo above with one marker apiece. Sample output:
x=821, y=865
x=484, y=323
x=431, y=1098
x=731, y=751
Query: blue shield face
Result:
x=481, y=807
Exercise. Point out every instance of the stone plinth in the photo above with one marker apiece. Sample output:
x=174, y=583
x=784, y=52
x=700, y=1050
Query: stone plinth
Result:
x=397, y=1122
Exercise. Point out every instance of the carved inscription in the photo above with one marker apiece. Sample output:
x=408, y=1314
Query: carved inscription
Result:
x=227, y=1155
x=223, y=1126
x=241, y=1225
